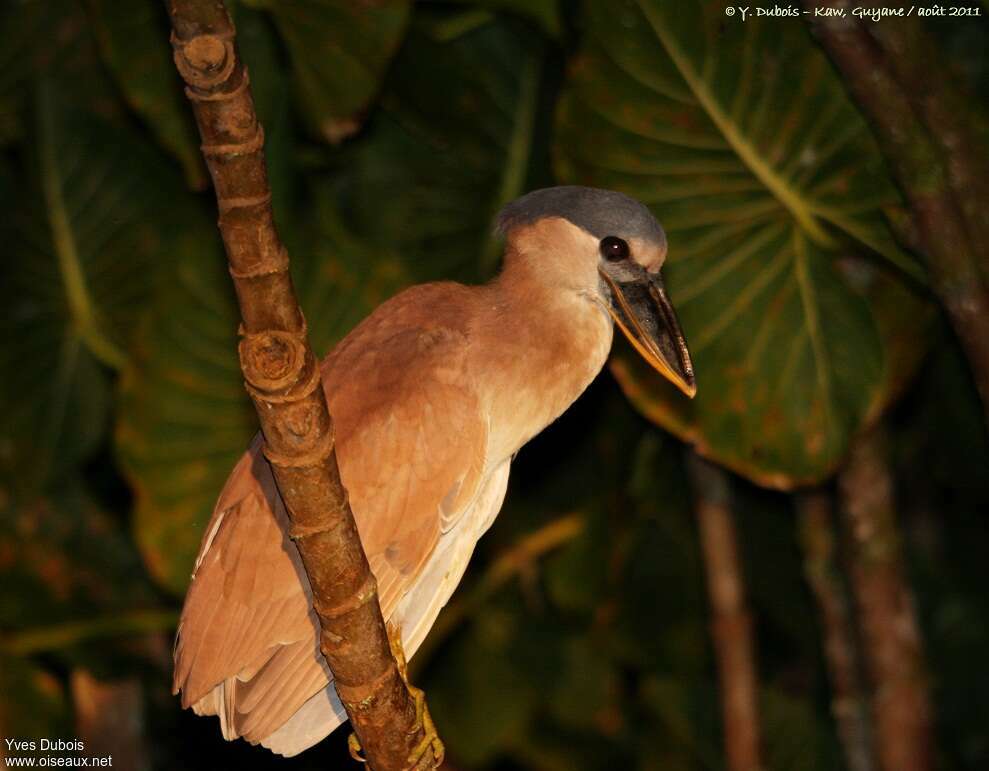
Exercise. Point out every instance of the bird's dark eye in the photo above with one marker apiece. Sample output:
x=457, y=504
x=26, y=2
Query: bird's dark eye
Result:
x=613, y=248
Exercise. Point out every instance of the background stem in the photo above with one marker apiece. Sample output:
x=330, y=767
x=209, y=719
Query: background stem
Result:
x=731, y=623
x=887, y=619
x=849, y=701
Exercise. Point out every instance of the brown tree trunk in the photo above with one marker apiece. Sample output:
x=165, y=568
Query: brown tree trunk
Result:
x=731, y=624
x=887, y=620
x=924, y=126
x=283, y=379
x=849, y=702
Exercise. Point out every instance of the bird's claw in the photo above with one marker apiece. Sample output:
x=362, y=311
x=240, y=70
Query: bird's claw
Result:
x=354, y=747
x=424, y=721
x=431, y=739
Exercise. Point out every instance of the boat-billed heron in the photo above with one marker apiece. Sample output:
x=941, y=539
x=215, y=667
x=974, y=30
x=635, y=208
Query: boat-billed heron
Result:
x=432, y=395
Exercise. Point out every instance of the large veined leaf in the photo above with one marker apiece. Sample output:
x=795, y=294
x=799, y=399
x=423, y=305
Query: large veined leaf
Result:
x=63, y=558
x=479, y=669
x=339, y=50
x=184, y=415
x=454, y=154
x=133, y=40
x=258, y=43
x=47, y=38
x=17, y=30
x=742, y=141
x=81, y=254
x=545, y=12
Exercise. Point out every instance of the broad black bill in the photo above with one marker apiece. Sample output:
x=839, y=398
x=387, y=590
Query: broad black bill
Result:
x=641, y=308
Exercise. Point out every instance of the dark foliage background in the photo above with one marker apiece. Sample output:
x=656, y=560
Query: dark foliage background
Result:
x=579, y=638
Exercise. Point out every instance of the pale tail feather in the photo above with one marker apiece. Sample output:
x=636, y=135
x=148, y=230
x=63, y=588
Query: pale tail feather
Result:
x=417, y=611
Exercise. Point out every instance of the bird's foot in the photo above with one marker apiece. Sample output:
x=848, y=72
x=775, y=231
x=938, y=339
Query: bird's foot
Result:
x=430, y=740
x=424, y=721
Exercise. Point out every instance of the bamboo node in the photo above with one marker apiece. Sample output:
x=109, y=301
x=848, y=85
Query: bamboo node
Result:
x=278, y=263
x=302, y=458
x=359, y=697
x=297, y=531
x=254, y=143
x=204, y=61
x=244, y=202
x=272, y=360
x=367, y=591
x=205, y=52
x=196, y=95
x=289, y=391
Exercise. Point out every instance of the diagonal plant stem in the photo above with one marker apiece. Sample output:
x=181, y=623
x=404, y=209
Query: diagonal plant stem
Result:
x=26, y=642
x=731, y=623
x=891, y=642
x=916, y=112
x=282, y=376
x=849, y=702
x=521, y=556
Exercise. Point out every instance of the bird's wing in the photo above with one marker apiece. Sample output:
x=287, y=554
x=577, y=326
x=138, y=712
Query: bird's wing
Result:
x=247, y=623
x=410, y=443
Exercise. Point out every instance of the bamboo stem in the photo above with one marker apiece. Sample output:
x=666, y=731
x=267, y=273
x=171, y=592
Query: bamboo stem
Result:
x=282, y=376
x=891, y=641
x=849, y=702
x=731, y=623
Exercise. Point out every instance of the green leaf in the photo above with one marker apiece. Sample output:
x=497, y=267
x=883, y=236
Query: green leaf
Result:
x=796, y=735
x=17, y=32
x=184, y=415
x=456, y=153
x=480, y=696
x=905, y=321
x=588, y=689
x=133, y=40
x=82, y=253
x=32, y=704
x=48, y=39
x=63, y=558
x=576, y=575
x=546, y=13
x=741, y=139
x=339, y=52
x=686, y=708
x=258, y=43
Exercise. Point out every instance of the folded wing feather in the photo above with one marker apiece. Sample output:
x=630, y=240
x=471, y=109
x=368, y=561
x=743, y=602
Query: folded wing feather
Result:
x=411, y=445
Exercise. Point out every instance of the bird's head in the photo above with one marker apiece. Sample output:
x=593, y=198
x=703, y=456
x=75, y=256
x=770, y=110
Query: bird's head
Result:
x=609, y=246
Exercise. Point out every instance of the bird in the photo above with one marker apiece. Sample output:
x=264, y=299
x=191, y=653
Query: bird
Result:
x=432, y=395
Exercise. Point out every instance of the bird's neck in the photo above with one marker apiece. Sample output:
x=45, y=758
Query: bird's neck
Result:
x=542, y=343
